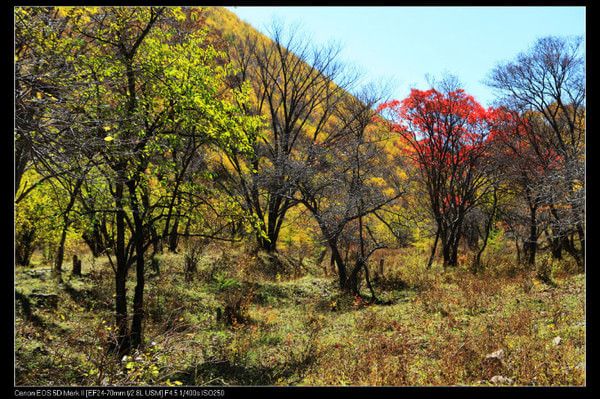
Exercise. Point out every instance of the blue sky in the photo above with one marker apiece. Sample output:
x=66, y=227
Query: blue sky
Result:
x=403, y=44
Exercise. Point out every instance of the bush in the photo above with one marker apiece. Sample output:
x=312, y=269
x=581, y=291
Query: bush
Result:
x=235, y=297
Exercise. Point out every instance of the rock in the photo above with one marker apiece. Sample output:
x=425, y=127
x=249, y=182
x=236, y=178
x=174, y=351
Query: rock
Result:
x=557, y=340
x=499, y=379
x=492, y=364
x=45, y=300
x=42, y=274
x=499, y=354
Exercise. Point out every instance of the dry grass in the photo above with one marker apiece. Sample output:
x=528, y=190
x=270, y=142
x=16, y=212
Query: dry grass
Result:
x=440, y=328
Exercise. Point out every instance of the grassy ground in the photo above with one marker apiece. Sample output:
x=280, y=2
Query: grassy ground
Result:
x=439, y=328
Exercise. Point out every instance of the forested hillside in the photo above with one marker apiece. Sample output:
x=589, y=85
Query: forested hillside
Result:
x=199, y=204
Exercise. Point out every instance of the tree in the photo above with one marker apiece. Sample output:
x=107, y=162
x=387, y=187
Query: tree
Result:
x=524, y=165
x=293, y=85
x=35, y=219
x=546, y=86
x=43, y=48
x=446, y=133
x=44, y=52
x=144, y=87
x=345, y=179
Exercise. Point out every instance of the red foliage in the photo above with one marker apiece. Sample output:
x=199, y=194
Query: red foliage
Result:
x=447, y=135
x=520, y=140
x=440, y=129
x=450, y=136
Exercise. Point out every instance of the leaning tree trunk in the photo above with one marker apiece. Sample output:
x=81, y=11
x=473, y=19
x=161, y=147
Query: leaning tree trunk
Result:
x=434, y=248
x=339, y=262
x=368, y=281
x=569, y=246
x=60, y=252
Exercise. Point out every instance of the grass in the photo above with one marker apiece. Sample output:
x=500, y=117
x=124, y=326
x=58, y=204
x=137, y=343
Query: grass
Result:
x=436, y=329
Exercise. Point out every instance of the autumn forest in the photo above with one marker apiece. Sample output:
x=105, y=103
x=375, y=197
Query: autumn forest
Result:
x=199, y=204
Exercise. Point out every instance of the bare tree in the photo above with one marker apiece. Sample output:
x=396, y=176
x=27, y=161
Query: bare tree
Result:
x=546, y=85
x=340, y=183
x=297, y=85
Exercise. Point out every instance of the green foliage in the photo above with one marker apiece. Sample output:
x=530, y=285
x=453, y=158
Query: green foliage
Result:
x=223, y=283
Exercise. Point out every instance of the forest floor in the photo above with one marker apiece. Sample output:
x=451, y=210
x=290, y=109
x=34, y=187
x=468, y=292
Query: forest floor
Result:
x=232, y=325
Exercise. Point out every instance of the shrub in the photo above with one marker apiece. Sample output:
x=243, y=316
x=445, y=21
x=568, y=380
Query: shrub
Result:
x=235, y=297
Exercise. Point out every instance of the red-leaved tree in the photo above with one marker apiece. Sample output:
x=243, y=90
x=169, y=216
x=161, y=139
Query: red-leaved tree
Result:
x=446, y=135
x=527, y=163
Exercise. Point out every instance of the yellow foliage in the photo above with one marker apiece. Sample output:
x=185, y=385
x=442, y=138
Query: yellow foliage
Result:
x=376, y=181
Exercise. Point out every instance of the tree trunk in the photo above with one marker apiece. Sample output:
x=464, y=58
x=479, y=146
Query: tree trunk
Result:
x=532, y=240
x=138, y=305
x=94, y=240
x=433, y=249
x=368, y=281
x=271, y=228
x=446, y=254
x=156, y=242
x=123, y=343
x=138, y=297
x=453, y=262
x=337, y=259
x=268, y=245
x=581, y=234
x=450, y=251
x=60, y=252
x=569, y=246
x=174, y=237
x=351, y=284
x=555, y=247
x=76, y=266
